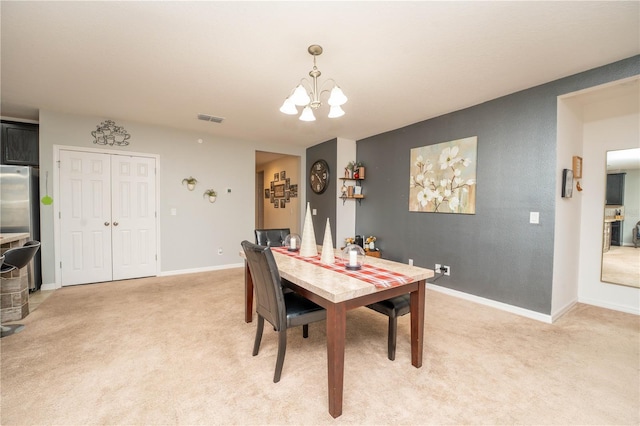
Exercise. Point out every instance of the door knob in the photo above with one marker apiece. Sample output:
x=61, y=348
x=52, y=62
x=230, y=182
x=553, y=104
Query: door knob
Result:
x=115, y=223
x=106, y=224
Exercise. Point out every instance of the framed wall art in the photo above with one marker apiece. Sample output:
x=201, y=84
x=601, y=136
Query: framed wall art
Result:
x=442, y=177
x=279, y=191
x=567, y=183
x=577, y=167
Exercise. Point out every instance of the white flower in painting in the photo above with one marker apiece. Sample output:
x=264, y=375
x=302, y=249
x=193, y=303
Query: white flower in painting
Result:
x=457, y=172
x=466, y=162
x=419, y=161
x=412, y=182
x=448, y=157
x=444, y=182
x=429, y=167
x=471, y=182
x=447, y=192
x=423, y=198
x=457, y=181
x=454, y=203
x=419, y=178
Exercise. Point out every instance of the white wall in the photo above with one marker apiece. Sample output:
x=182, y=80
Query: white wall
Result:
x=190, y=239
x=609, y=124
x=345, y=212
x=568, y=211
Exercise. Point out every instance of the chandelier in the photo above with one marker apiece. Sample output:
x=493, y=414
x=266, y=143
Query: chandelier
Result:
x=309, y=97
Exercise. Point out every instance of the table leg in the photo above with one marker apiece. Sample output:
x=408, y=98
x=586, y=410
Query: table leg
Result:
x=336, y=335
x=417, y=324
x=248, y=294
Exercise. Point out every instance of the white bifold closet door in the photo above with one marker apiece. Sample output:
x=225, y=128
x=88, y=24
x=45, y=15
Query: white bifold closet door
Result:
x=107, y=217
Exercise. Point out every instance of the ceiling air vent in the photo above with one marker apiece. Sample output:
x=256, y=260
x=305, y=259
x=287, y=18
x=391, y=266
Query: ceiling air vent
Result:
x=207, y=117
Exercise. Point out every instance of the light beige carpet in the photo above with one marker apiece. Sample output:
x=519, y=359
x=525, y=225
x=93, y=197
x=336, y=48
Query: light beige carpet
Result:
x=621, y=265
x=175, y=350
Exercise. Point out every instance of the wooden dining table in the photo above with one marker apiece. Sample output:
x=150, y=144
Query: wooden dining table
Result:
x=338, y=292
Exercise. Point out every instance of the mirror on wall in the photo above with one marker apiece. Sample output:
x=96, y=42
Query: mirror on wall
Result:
x=621, y=236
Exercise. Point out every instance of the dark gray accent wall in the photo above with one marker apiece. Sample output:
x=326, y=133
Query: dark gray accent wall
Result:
x=325, y=203
x=496, y=253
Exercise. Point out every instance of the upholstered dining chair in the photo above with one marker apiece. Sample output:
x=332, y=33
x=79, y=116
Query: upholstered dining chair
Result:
x=282, y=310
x=17, y=258
x=393, y=308
x=271, y=237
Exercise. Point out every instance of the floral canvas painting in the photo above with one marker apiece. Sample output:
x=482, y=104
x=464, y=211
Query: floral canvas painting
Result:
x=443, y=177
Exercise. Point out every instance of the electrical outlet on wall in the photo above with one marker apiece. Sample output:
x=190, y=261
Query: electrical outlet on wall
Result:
x=442, y=269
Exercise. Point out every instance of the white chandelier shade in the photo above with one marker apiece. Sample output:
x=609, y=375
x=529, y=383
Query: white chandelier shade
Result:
x=309, y=97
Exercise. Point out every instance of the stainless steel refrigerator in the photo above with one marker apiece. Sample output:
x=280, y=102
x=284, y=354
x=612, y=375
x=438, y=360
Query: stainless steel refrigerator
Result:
x=20, y=207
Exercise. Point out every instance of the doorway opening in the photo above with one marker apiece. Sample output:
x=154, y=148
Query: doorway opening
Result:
x=277, y=183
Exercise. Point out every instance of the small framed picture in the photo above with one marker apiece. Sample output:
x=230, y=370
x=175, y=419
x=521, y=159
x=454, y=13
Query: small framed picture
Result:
x=276, y=204
x=282, y=204
x=283, y=175
x=577, y=167
x=293, y=190
x=276, y=176
x=279, y=191
x=267, y=193
x=287, y=196
x=272, y=186
x=287, y=183
x=567, y=183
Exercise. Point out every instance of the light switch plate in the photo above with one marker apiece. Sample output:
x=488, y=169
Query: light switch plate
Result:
x=534, y=217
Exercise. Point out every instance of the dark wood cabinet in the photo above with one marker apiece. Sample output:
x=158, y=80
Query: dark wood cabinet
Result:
x=615, y=189
x=19, y=144
x=616, y=233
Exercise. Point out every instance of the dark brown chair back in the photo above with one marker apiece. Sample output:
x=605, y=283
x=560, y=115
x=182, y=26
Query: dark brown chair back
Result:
x=271, y=237
x=266, y=281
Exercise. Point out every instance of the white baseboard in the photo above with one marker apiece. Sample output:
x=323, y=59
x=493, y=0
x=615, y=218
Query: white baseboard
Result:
x=205, y=269
x=50, y=286
x=560, y=312
x=612, y=306
x=492, y=303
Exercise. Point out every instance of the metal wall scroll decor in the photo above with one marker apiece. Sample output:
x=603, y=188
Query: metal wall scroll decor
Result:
x=107, y=133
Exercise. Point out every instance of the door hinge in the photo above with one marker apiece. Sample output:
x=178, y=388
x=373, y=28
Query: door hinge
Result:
x=58, y=163
x=59, y=215
x=61, y=265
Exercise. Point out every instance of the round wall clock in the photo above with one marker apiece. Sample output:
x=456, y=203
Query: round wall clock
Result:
x=319, y=176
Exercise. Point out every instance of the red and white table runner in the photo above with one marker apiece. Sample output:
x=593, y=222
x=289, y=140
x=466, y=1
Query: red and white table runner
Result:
x=379, y=277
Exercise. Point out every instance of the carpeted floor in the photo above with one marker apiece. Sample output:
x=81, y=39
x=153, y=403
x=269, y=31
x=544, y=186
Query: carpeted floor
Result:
x=176, y=351
x=621, y=265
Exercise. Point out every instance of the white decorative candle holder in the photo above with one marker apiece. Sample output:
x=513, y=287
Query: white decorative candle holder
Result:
x=292, y=242
x=353, y=257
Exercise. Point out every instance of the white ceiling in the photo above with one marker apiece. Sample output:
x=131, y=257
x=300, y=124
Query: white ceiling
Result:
x=398, y=62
